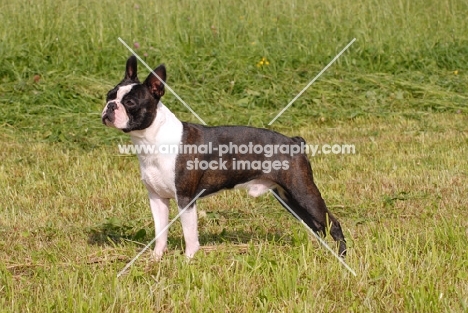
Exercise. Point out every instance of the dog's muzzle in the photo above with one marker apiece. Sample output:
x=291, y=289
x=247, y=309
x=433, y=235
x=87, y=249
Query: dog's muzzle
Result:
x=108, y=115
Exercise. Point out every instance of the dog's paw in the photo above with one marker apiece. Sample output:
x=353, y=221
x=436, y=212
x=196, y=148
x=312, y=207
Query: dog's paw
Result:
x=157, y=255
x=190, y=251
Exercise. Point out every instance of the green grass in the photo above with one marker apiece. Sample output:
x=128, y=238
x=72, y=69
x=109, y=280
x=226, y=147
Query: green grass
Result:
x=73, y=211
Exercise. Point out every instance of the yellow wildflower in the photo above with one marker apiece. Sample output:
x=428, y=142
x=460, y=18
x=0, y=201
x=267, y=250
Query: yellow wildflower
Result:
x=262, y=62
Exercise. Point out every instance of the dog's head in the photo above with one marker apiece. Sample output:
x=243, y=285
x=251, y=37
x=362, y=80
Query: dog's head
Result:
x=132, y=105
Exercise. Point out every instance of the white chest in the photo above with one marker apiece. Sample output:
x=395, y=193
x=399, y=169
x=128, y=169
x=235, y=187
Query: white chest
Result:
x=158, y=167
x=158, y=174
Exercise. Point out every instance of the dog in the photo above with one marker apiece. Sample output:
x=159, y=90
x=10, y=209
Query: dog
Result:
x=231, y=158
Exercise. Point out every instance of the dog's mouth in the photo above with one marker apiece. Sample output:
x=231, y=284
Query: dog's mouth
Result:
x=106, y=120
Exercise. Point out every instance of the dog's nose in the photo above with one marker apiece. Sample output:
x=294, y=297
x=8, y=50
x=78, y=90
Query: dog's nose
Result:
x=112, y=106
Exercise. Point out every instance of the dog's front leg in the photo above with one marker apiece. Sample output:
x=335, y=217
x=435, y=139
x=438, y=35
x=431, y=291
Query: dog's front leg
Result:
x=190, y=228
x=160, y=211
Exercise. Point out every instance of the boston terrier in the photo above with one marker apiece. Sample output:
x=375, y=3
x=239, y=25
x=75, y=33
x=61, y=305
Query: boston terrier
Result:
x=232, y=156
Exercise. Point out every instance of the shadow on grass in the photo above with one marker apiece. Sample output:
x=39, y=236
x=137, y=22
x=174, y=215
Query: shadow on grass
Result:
x=114, y=231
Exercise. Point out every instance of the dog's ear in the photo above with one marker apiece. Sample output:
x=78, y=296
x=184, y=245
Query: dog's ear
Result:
x=131, y=69
x=155, y=83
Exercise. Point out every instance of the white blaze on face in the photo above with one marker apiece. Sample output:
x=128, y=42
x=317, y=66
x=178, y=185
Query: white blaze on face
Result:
x=120, y=114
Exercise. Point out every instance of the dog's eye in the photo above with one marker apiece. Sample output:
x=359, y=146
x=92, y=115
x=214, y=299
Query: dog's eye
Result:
x=130, y=103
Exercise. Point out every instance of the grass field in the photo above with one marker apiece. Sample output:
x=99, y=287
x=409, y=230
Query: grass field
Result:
x=73, y=211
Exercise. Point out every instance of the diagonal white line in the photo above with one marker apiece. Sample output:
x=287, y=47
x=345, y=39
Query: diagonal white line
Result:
x=313, y=80
x=167, y=86
x=159, y=234
x=313, y=233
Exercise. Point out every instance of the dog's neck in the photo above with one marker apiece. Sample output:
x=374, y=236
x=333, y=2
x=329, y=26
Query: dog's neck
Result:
x=165, y=129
